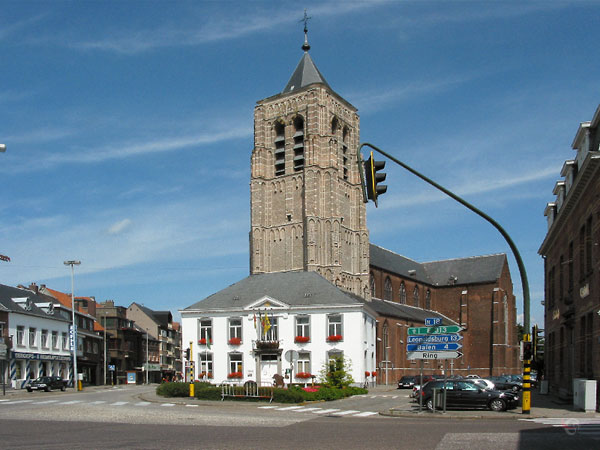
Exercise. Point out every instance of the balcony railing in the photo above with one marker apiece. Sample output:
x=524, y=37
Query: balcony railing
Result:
x=266, y=345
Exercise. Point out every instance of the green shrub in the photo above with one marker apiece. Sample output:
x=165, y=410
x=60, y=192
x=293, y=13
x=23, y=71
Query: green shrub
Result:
x=180, y=389
x=292, y=395
x=208, y=392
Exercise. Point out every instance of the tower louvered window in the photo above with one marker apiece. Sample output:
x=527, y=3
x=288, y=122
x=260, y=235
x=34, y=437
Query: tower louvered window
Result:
x=279, y=149
x=345, y=152
x=298, y=144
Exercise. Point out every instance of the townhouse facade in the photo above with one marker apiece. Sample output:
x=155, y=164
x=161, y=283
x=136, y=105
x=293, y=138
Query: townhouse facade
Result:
x=572, y=266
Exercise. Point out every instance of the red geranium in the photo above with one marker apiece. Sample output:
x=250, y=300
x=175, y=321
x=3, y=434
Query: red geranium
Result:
x=203, y=341
x=235, y=341
x=374, y=374
x=334, y=338
x=301, y=339
x=367, y=374
x=235, y=375
x=303, y=375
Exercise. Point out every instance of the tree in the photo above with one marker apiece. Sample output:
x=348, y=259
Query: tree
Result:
x=336, y=372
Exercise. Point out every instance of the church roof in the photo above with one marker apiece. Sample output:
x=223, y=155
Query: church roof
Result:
x=303, y=289
x=306, y=73
x=406, y=312
x=471, y=270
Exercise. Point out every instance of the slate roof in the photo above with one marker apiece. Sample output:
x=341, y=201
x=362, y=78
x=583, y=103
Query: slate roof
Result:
x=471, y=270
x=7, y=293
x=406, y=312
x=306, y=73
x=160, y=317
x=293, y=288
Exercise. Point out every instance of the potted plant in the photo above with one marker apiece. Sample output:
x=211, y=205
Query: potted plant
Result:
x=373, y=374
x=235, y=341
x=203, y=341
x=301, y=339
x=303, y=375
x=334, y=338
x=235, y=375
x=367, y=373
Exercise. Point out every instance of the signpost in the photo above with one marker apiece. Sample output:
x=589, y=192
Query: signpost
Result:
x=419, y=339
x=3, y=349
x=433, y=355
x=433, y=347
x=441, y=329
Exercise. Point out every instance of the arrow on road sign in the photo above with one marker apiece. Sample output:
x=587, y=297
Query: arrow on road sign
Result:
x=436, y=347
x=434, y=338
x=433, y=355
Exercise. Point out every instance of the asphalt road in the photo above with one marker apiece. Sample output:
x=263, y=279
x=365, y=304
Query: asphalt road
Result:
x=119, y=418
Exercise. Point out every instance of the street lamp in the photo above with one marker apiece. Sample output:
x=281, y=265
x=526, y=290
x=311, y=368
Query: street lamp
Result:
x=147, y=366
x=2, y=148
x=105, y=361
x=74, y=328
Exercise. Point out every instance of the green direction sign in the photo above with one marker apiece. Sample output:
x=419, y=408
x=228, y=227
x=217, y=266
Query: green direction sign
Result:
x=441, y=329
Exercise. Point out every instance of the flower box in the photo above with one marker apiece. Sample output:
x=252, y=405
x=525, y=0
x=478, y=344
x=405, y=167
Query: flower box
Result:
x=204, y=374
x=334, y=338
x=204, y=342
x=267, y=345
x=301, y=339
x=367, y=374
x=303, y=375
x=235, y=375
x=373, y=374
x=235, y=341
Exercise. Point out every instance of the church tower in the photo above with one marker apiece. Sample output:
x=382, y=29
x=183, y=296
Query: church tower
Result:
x=307, y=210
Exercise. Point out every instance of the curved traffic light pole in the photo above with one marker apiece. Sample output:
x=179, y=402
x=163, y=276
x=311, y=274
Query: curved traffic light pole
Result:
x=507, y=238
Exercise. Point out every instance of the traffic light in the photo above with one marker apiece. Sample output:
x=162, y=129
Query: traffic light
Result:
x=527, y=350
x=372, y=178
x=187, y=354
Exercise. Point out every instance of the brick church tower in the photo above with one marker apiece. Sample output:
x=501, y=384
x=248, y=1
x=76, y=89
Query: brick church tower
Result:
x=307, y=212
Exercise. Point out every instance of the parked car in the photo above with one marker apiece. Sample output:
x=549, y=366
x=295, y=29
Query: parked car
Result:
x=486, y=383
x=468, y=394
x=505, y=384
x=46, y=384
x=406, y=382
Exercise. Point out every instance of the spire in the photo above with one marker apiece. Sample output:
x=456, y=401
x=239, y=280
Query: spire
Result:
x=306, y=72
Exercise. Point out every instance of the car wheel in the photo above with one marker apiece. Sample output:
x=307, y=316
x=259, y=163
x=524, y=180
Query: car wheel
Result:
x=429, y=404
x=515, y=388
x=62, y=388
x=48, y=389
x=497, y=405
x=29, y=390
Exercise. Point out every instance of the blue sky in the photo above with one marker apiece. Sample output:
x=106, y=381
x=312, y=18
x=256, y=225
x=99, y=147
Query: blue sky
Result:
x=128, y=128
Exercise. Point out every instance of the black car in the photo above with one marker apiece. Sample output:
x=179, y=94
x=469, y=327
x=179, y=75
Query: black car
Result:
x=467, y=394
x=407, y=382
x=46, y=384
x=505, y=384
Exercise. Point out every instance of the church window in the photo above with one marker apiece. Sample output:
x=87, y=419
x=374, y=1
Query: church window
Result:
x=298, y=144
x=416, y=296
x=345, y=135
x=372, y=285
x=428, y=299
x=279, y=149
x=403, y=293
x=387, y=289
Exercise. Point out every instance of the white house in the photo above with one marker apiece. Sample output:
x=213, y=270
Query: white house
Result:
x=253, y=328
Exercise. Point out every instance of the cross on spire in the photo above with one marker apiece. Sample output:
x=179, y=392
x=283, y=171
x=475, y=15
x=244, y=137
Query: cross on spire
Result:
x=305, y=19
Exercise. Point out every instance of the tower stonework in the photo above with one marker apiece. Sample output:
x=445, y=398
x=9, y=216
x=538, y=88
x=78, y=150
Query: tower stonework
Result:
x=307, y=210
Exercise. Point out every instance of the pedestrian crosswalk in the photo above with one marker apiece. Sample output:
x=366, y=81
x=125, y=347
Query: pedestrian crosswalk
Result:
x=322, y=411
x=572, y=426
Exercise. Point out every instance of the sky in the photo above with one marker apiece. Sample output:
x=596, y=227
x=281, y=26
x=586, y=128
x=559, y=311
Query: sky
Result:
x=129, y=130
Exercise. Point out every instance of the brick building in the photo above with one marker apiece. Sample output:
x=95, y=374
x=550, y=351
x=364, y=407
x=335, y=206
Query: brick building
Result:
x=572, y=266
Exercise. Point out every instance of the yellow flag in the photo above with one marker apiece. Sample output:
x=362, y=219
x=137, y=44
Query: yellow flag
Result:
x=267, y=325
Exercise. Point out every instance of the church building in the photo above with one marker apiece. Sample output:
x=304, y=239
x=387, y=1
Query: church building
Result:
x=313, y=291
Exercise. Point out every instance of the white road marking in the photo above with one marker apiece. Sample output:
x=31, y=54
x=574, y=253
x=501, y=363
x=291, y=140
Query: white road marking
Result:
x=45, y=402
x=191, y=406
x=307, y=410
x=267, y=407
x=289, y=408
x=366, y=414
x=166, y=405
x=72, y=402
x=98, y=402
x=345, y=413
x=325, y=411
x=118, y=403
x=142, y=403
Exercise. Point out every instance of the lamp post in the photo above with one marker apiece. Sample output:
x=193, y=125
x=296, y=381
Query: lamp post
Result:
x=147, y=365
x=105, y=361
x=74, y=328
x=2, y=148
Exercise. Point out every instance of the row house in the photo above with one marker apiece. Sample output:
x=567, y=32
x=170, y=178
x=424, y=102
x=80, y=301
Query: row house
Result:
x=161, y=328
x=286, y=323
x=572, y=266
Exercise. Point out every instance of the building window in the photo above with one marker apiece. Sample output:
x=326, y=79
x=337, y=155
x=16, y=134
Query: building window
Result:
x=372, y=285
x=303, y=364
x=335, y=360
x=416, y=297
x=428, y=299
x=65, y=345
x=588, y=246
x=279, y=149
x=402, y=293
x=582, y=253
x=334, y=327
x=571, y=271
x=387, y=289
x=205, y=331
x=20, y=335
x=551, y=286
x=561, y=293
x=55, y=339
x=32, y=334
x=385, y=336
x=236, y=364
x=270, y=331
x=206, y=365
x=298, y=144
x=95, y=348
x=302, y=329
x=45, y=339
x=235, y=330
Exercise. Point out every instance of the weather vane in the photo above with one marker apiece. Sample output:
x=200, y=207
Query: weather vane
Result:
x=305, y=19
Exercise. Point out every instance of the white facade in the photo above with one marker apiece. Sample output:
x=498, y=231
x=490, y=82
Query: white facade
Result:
x=222, y=359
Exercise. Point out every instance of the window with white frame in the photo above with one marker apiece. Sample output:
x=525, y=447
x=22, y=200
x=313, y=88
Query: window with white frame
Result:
x=206, y=365
x=236, y=363
x=302, y=327
x=334, y=326
x=44, y=338
x=235, y=328
x=20, y=335
x=272, y=333
x=65, y=343
x=32, y=336
x=303, y=364
x=205, y=330
x=55, y=339
x=334, y=358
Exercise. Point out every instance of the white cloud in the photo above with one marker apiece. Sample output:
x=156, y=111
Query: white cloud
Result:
x=119, y=227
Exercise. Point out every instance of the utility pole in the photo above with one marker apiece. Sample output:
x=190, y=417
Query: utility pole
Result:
x=73, y=325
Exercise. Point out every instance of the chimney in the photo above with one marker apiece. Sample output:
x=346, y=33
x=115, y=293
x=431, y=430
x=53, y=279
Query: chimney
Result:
x=34, y=287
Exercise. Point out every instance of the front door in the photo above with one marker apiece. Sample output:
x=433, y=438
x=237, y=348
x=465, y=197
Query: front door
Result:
x=268, y=367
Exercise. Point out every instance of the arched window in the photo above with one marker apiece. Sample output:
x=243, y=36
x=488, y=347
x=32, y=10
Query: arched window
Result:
x=416, y=296
x=387, y=289
x=279, y=149
x=345, y=134
x=298, y=144
x=385, y=337
x=403, y=293
x=428, y=299
x=372, y=285
x=335, y=124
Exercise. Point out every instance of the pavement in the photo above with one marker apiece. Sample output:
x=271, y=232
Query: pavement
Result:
x=543, y=406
